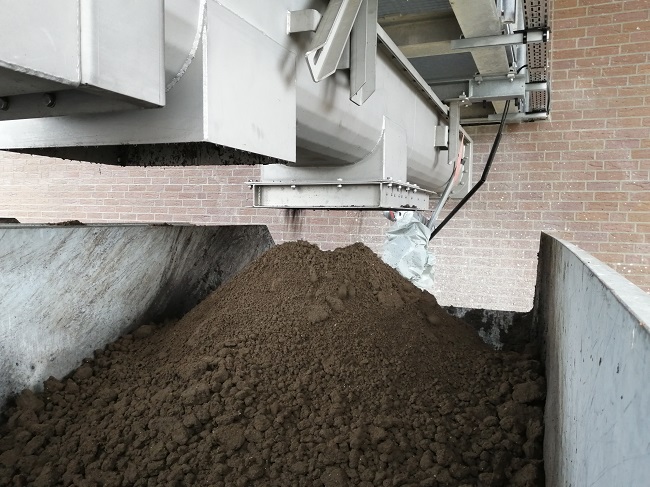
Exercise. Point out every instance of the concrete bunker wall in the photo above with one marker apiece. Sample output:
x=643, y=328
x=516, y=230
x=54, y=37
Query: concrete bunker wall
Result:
x=597, y=349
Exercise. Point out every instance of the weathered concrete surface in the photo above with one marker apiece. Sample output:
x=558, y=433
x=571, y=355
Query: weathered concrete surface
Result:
x=598, y=370
x=66, y=291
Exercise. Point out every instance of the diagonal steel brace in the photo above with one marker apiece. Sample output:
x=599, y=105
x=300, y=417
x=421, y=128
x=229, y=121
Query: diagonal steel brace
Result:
x=331, y=37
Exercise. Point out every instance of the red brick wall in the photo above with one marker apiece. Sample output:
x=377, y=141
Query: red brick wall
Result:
x=583, y=176
x=37, y=189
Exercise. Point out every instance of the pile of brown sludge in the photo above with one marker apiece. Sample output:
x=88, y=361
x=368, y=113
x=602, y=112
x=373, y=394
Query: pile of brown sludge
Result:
x=309, y=368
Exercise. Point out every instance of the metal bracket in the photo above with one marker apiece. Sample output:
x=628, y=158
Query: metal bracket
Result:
x=303, y=20
x=441, y=136
x=455, y=151
x=508, y=11
x=497, y=88
x=518, y=37
x=331, y=36
x=363, y=52
x=346, y=36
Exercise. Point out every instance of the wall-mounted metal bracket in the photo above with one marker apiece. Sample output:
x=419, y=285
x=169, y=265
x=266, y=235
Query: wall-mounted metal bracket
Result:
x=441, y=136
x=518, y=37
x=492, y=88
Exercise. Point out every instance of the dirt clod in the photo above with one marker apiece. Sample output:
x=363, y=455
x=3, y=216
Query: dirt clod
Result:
x=308, y=368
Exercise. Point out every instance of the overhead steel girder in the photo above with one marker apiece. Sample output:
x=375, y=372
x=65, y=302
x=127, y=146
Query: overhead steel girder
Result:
x=481, y=18
x=423, y=35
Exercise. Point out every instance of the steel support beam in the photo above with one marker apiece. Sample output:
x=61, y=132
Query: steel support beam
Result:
x=525, y=37
x=424, y=35
x=481, y=18
x=497, y=88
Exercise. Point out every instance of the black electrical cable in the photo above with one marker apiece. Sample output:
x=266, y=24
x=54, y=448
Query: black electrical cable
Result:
x=522, y=67
x=486, y=171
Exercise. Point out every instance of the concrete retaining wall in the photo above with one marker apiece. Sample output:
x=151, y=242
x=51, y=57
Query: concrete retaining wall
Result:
x=66, y=291
x=597, y=353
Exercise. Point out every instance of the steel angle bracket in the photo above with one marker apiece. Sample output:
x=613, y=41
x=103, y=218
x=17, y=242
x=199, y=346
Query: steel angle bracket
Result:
x=302, y=20
x=497, y=87
x=347, y=28
x=363, y=52
x=331, y=36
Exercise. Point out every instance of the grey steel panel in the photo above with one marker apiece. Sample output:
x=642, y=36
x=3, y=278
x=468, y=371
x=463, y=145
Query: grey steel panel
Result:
x=102, y=48
x=181, y=120
x=446, y=67
x=48, y=52
x=406, y=7
x=13, y=83
x=250, y=101
x=184, y=24
x=128, y=61
x=67, y=102
x=392, y=49
x=425, y=35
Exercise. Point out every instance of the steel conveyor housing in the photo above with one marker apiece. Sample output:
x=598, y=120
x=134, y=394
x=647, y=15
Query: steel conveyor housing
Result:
x=315, y=91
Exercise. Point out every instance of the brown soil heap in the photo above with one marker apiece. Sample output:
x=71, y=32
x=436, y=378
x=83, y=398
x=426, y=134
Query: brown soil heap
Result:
x=309, y=368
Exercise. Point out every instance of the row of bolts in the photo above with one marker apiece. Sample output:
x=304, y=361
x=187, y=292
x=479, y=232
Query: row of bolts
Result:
x=49, y=100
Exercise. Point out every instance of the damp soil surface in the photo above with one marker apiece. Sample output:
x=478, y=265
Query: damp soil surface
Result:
x=309, y=368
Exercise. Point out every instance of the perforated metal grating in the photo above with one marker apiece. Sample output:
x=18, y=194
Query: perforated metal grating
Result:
x=536, y=13
x=536, y=16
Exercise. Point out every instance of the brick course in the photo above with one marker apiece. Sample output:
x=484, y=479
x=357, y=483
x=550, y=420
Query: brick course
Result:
x=582, y=176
